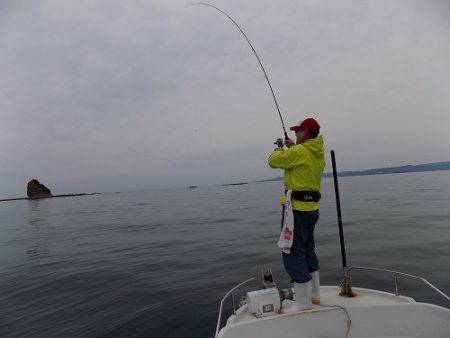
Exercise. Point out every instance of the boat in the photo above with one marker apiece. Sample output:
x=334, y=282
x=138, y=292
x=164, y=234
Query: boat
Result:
x=368, y=313
x=343, y=312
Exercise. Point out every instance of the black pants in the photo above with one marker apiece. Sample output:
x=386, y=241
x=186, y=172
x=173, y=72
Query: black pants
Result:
x=302, y=260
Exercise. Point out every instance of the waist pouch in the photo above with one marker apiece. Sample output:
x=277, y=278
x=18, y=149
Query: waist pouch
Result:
x=305, y=196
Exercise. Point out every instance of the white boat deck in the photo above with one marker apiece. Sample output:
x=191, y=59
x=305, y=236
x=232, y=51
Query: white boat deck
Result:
x=371, y=314
x=330, y=296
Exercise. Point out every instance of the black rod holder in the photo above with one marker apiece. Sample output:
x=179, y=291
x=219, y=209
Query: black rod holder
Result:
x=345, y=284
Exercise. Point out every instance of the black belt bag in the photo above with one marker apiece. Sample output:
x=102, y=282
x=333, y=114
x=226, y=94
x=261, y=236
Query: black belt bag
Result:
x=305, y=196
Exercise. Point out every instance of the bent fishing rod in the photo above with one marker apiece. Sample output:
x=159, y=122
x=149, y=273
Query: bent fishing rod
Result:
x=254, y=52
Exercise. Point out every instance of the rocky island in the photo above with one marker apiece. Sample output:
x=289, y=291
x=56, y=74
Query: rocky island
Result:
x=37, y=190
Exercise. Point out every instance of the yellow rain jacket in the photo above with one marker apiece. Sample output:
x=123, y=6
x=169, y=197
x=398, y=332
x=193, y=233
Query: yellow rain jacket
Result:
x=303, y=166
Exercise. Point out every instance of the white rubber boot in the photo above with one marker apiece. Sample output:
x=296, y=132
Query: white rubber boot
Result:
x=302, y=301
x=315, y=282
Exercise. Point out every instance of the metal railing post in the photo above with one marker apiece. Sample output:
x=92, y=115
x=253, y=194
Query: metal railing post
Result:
x=219, y=320
x=396, y=284
x=398, y=273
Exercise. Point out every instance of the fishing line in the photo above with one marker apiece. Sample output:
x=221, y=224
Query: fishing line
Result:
x=254, y=52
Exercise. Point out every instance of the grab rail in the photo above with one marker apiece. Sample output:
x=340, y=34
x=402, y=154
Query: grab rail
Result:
x=219, y=320
x=350, y=268
x=396, y=275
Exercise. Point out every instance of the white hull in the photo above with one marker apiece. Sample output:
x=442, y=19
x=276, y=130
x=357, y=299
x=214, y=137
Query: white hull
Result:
x=371, y=314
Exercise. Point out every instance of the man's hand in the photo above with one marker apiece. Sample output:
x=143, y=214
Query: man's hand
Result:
x=289, y=143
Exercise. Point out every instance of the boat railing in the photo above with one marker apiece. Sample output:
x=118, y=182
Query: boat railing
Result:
x=396, y=275
x=231, y=292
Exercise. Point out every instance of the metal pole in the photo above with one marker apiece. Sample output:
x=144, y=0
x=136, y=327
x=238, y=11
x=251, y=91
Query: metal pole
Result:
x=345, y=285
x=338, y=209
x=396, y=284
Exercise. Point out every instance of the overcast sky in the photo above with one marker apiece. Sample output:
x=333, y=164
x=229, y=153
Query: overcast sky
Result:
x=121, y=95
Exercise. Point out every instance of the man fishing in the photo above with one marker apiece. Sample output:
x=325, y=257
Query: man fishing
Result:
x=303, y=163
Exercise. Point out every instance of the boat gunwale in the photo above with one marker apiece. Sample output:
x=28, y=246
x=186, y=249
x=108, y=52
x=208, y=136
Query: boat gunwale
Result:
x=347, y=271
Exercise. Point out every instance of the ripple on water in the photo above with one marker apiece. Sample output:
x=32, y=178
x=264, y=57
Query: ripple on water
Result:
x=149, y=263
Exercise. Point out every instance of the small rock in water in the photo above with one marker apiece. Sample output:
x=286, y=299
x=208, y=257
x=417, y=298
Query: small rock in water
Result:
x=35, y=189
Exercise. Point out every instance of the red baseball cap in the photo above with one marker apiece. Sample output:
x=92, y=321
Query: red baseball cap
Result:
x=309, y=124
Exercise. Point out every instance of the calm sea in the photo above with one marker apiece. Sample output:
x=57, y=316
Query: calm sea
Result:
x=156, y=263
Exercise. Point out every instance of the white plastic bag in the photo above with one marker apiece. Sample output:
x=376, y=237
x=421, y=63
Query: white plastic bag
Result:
x=287, y=231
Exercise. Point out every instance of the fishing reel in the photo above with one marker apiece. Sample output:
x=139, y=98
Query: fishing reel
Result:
x=279, y=143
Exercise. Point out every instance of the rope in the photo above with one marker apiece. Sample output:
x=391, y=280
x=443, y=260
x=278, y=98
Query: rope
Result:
x=349, y=320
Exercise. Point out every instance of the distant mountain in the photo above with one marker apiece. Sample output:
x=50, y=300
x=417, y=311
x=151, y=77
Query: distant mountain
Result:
x=387, y=170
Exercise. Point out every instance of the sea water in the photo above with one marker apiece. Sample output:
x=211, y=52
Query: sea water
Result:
x=156, y=263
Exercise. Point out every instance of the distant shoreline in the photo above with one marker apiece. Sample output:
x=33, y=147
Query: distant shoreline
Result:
x=436, y=166
x=54, y=196
x=229, y=184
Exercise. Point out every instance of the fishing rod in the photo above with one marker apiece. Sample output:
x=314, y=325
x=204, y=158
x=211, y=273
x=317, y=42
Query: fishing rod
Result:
x=254, y=52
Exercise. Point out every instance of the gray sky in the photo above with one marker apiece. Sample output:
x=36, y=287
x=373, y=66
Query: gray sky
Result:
x=113, y=95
